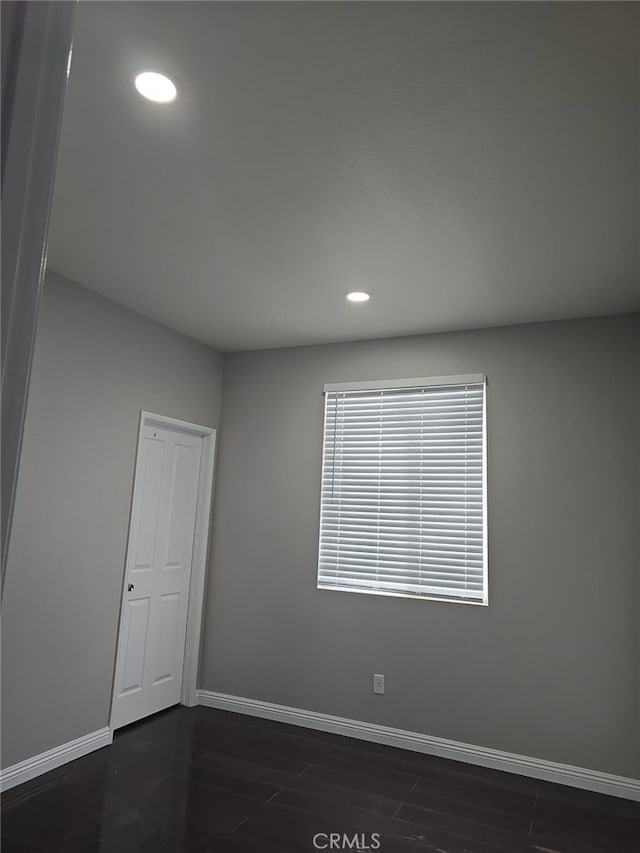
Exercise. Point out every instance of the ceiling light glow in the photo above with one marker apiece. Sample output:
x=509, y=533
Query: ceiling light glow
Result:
x=358, y=296
x=155, y=87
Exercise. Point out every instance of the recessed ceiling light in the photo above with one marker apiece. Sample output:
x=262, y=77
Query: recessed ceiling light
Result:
x=358, y=296
x=155, y=87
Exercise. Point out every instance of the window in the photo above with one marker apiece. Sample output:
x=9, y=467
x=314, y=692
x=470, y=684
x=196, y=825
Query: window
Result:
x=403, y=506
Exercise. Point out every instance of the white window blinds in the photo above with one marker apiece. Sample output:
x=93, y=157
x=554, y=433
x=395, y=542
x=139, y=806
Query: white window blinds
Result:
x=403, y=488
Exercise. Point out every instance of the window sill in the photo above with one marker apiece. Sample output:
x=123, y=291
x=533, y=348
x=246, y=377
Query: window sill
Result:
x=387, y=594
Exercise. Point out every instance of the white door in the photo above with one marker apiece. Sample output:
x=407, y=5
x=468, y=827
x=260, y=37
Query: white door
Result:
x=154, y=616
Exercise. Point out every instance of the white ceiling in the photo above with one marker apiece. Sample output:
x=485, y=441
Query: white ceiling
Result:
x=469, y=164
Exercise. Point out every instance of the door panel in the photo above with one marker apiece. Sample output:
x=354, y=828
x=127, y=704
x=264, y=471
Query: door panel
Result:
x=168, y=645
x=135, y=634
x=182, y=503
x=149, y=505
x=154, y=619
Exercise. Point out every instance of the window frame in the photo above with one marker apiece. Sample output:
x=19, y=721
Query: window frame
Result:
x=413, y=382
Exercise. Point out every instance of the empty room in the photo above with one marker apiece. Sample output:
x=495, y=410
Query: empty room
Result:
x=320, y=427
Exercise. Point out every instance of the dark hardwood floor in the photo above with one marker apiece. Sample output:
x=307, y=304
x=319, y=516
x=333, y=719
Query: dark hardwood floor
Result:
x=202, y=780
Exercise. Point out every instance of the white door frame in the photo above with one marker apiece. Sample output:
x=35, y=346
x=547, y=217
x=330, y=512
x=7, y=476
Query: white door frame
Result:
x=200, y=551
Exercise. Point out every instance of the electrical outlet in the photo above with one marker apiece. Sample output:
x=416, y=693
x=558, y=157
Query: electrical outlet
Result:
x=378, y=683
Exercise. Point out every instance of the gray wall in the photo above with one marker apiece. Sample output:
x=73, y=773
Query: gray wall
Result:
x=96, y=366
x=550, y=668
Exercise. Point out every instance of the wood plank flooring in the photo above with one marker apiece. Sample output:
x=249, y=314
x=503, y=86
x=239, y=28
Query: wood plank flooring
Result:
x=197, y=780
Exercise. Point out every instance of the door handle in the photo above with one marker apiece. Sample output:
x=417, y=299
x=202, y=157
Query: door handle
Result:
x=130, y=587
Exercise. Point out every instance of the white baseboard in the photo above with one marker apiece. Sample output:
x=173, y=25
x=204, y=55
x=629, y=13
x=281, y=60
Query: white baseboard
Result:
x=39, y=764
x=537, y=768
